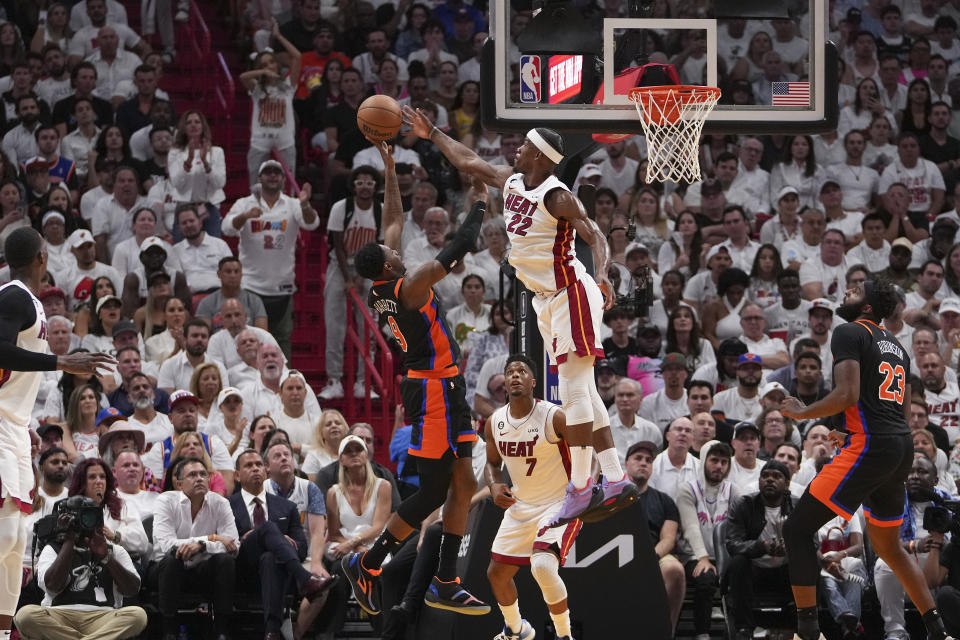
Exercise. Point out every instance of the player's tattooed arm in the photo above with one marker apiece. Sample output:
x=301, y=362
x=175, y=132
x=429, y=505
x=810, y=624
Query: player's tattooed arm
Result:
x=565, y=206
x=392, y=203
x=459, y=155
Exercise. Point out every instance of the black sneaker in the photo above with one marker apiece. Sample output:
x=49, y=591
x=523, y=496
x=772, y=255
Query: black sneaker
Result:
x=453, y=597
x=364, y=582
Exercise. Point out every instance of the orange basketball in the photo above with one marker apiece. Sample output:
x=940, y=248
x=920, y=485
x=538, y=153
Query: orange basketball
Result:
x=379, y=118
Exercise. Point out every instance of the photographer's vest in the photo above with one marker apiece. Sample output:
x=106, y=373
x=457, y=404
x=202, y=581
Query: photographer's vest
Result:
x=168, y=448
x=89, y=582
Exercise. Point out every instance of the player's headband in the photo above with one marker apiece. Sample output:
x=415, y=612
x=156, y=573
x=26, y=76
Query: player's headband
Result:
x=545, y=147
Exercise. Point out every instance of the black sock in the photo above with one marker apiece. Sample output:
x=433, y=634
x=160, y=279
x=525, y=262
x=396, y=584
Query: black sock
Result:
x=376, y=554
x=449, y=550
x=808, y=623
x=934, y=625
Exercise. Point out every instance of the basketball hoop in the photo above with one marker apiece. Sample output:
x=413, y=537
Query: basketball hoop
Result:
x=672, y=118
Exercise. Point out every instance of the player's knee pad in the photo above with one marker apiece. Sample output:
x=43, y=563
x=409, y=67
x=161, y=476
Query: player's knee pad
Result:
x=576, y=376
x=545, y=568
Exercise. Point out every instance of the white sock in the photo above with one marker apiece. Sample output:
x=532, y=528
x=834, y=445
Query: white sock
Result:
x=511, y=616
x=561, y=623
x=4, y=634
x=581, y=459
x=610, y=464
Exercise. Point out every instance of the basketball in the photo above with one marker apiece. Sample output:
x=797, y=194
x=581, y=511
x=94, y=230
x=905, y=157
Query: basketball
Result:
x=379, y=118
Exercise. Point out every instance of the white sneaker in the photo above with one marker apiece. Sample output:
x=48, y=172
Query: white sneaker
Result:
x=360, y=392
x=182, y=16
x=334, y=389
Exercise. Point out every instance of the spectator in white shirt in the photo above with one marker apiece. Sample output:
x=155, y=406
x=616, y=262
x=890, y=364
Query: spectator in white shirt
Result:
x=924, y=180
x=785, y=226
x=128, y=470
x=796, y=251
x=473, y=315
x=742, y=249
x=626, y=426
x=233, y=319
x=823, y=276
x=113, y=215
x=199, y=253
x=617, y=169
x=751, y=178
x=155, y=426
x=858, y=182
x=19, y=143
x=800, y=170
x=669, y=403
x=377, y=49
x=294, y=417
x=874, y=250
x=268, y=223
x=436, y=224
x=675, y=466
x=743, y=401
x=744, y=469
x=176, y=371
x=88, y=269
x=263, y=395
x=113, y=63
x=198, y=170
x=772, y=351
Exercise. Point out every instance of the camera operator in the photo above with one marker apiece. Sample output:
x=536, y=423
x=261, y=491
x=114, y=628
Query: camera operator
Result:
x=79, y=572
x=942, y=571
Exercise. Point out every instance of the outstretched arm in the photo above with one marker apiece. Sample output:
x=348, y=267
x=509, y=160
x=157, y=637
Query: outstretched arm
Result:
x=392, y=204
x=459, y=155
x=564, y=205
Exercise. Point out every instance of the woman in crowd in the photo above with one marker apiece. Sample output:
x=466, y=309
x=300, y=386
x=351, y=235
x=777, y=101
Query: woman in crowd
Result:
x=800, y=170
x=12, y=49
x=653, y=228
x=55, y=407
x=683, y=336
x=410, y=39
x=331, y=429
x=466, y=108
x=53, y=225
x=189, y=444
x=721, y=318
x=766, y=268
x=682, y=249
x=13, y=213
x=482, y=346
x=775, y=429
x=951, y=270
x=915, y=118
x=272, y=123
x=750, y=66
x=228, y=423
x=486, y=263
x=149, y=317
x=388, y=83
x=205, y=383
x=446, y=93
x=168, y=342
x=56, y=30
x=59, y=198
x=880, y=151
x=198, y=170
x=80, y=435
x=358, y=505
x=121, y=522
x=604, y=206
x=259, y=428
x=105, y=318
x=866, y=106
x=671, y=288
x=322, y=98
x=113, y=146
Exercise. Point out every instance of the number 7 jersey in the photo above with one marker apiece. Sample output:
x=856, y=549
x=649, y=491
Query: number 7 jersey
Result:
x=541, y=246
x=884, y=371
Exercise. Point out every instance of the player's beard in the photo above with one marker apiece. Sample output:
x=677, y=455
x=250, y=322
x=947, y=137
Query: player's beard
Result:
x=851, y=311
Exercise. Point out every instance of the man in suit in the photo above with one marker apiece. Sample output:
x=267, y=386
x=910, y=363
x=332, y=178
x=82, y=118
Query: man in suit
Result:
x=272, y=542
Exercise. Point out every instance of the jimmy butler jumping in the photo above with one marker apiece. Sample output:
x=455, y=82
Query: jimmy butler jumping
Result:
x=542, y=219
x=870, y=368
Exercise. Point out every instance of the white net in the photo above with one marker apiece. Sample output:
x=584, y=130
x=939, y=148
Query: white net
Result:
x=672, y=119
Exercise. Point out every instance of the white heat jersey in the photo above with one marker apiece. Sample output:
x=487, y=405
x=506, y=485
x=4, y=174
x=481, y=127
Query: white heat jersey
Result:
x=944, y=409
x=541, y=246
x=18, y=389
x=536, y=459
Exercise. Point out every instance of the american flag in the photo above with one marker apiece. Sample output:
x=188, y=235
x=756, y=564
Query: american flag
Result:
x=790, y=94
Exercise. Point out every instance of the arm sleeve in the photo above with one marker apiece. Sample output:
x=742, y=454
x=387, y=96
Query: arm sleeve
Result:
x=847, y=342
x=16, y=314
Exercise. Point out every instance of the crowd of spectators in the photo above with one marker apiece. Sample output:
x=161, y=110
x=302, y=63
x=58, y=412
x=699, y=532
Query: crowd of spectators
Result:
x=204, y=432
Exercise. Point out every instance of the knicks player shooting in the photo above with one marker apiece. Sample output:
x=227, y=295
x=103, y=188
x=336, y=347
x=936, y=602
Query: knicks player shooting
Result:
x=526, y=436
x=24, y=355
x=434, y=399
x=871, y=370
x=543, y=219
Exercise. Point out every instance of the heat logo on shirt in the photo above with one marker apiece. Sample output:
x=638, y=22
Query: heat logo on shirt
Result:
x=518, y=449
x=516, y=203
x=259, y=226
x=273, y=113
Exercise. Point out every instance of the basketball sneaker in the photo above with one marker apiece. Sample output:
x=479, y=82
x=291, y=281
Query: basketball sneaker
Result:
x=616, y=496
x=364, y=582
x=576, y=502
x=453, y=597
x=526, y=633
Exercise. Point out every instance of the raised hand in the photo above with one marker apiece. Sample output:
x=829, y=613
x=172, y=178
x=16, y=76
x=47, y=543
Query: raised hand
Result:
x=419, y=123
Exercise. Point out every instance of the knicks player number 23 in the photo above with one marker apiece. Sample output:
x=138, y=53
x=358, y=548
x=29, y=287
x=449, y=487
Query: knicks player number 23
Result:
x=396, y=333
x=893, y=376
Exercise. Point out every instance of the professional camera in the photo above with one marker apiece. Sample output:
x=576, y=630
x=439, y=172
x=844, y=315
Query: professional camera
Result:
x=637, y=302
x=942, y=517
x=79, y=515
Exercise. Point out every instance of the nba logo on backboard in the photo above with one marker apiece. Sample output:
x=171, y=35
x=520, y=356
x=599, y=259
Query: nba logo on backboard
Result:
x=530, y=79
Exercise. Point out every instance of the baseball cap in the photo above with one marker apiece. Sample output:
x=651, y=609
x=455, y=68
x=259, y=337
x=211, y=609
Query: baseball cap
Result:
x=226, y=393
x=745, y=425
x=49, y=426
x=821, y=303
x=827, y=183
x=182, y=395
x=606, y=363
x=124, y=326
x=776, y=465
x=157, y=275
x=714, y=250
x=590, y=170
x=770, y=387
x=649, y=330
x=950, y=305
x=462, y=14
x=750, y=358
x=52, y=214
x=36, y=164
x=50, y=292
x=853, y=15
x=266, y=164
x=785, y=191
x=635, y=246
x=901, y=242
x=118, y=427
x=152, y=241
x=710, y=186
x=673, y=360
x=348, y=440
x=643, y=445
x=107, y=298
x=79, y=238
x=108, y=416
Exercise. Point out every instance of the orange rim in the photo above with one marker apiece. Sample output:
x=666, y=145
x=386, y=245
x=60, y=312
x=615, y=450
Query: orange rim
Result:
x=684, y=92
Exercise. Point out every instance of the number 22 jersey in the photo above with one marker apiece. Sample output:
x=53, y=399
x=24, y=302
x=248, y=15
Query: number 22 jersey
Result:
x=884, y=370
x=423, y=334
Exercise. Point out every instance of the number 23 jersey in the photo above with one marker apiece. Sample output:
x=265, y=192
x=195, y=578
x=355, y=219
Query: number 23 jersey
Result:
x=541, y=246
x=884, y=370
